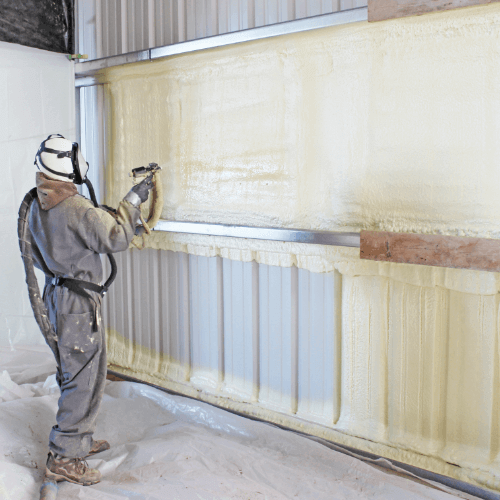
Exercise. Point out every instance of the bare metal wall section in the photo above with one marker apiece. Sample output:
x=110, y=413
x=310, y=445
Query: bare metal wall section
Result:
x=263, y=334
x=111, y=27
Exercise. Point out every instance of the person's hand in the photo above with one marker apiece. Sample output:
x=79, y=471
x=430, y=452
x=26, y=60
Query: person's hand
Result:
x=142, y=189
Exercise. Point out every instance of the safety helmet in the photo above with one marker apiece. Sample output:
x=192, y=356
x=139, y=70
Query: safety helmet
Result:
x=61, y=159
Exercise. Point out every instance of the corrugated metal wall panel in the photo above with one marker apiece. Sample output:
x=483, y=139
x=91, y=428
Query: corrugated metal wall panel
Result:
x=366, y=355
x=205, y=297
x=277, y=332
x=240, y=300
x=244, y=329
x=147, y=312
x=85, y=23
x=362, y=355
x=111, y=27
x=320, y=303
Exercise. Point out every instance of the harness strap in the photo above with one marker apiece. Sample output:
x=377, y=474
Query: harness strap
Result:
x=77, y=286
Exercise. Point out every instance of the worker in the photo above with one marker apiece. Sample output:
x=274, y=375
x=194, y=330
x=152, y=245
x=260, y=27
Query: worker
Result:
x=68, y=232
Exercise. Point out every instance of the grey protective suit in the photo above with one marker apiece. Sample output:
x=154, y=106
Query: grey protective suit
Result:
x=68, y=234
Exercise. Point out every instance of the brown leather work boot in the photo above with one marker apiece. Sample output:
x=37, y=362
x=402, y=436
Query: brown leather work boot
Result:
x=98, y=446
x=74, y=470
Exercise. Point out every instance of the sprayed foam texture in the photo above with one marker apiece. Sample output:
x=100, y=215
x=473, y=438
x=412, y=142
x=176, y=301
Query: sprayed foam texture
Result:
x=388, y=126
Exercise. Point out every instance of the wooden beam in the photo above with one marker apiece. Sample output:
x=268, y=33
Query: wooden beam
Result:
x=444, y=251
x=379, y=10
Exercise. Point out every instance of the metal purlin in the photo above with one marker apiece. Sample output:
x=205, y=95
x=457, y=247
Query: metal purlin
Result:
x=85, y=71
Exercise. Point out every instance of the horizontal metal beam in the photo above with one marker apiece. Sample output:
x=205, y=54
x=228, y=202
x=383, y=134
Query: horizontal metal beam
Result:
x=86, y=81
x=262, y=233
x=90, y=68
x=286, y=28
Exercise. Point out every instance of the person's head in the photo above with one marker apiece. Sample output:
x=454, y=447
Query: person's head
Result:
x=61, y=160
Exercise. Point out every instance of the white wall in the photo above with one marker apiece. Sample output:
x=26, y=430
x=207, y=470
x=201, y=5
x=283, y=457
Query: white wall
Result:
x=37, y=98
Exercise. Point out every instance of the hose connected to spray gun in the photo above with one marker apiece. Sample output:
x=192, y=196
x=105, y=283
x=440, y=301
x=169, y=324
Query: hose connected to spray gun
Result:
x=155, y=205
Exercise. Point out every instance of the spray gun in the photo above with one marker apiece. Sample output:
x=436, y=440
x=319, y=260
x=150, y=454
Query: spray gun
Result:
x=152, y=171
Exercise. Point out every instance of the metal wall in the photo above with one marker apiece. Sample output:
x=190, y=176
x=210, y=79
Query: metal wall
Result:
x=371, y=358
x=359, y=354
x=111, y=27
x=262, y=334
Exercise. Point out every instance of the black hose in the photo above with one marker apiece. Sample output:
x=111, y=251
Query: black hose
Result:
x=112, y=261
x=24, y=236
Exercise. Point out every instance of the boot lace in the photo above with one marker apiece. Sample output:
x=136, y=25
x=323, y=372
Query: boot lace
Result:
x=81, y=465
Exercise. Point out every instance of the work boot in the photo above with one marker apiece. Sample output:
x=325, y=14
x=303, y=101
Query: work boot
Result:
x=98, y=446
x=74, y=470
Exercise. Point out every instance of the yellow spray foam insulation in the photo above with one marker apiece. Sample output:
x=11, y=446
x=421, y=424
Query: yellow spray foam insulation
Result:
x=384, y=126
x=148, y=365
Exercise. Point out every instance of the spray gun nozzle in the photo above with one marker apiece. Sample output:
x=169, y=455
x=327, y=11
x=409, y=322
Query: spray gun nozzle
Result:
x=142, y=171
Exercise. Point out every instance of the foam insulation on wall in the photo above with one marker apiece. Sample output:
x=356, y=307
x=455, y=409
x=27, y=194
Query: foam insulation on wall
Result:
x=388, y=126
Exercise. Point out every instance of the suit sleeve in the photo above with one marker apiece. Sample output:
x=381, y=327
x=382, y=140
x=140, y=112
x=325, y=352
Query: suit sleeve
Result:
x=104, y=233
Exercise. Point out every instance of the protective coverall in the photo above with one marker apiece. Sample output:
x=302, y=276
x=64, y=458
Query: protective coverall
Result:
x=68, y=234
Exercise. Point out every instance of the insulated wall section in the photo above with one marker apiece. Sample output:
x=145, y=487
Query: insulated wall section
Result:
x=361, y=126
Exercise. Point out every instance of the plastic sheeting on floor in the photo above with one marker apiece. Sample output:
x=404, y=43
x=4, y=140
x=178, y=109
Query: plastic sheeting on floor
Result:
x=171, y=447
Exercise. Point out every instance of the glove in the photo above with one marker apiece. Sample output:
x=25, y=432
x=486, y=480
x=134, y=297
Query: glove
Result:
x=140, y=192
x=142, y=189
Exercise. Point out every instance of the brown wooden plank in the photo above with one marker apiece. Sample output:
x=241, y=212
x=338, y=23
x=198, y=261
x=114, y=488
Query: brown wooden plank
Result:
x=431, y=250
x=378, y=10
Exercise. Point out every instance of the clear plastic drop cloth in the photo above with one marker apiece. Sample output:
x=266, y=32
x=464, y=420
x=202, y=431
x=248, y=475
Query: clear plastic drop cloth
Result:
x=172, y=447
